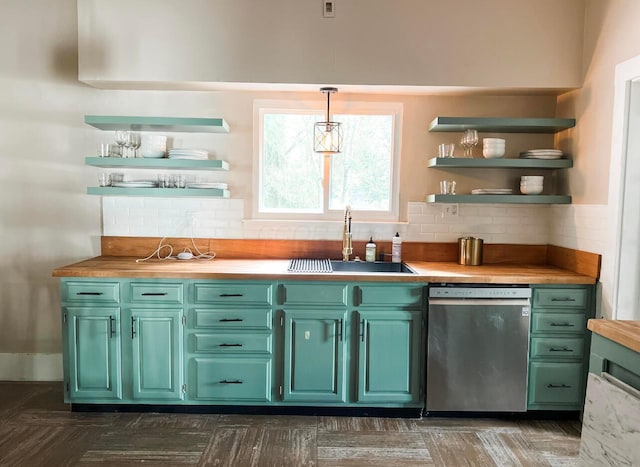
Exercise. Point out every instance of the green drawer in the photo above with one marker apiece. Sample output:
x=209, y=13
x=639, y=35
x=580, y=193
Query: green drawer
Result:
x=556, y=383
x=156, y=293
x=234, y=293
x=232, y=319
x=232, y=379
x=558, y=322
x=574, y=298
x=99, y=292
x=237, y=342
x=557, y=347
x=382, y=295
x=313, y=294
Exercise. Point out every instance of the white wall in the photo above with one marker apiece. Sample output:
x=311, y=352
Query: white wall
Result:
x=492, y=43
x=611, y=36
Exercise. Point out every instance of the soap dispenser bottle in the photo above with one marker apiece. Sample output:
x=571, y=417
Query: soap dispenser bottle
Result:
x=370, y=250
x=396, y=249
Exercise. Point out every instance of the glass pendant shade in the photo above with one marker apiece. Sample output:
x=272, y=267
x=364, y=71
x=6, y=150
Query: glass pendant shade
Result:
x=327, y=135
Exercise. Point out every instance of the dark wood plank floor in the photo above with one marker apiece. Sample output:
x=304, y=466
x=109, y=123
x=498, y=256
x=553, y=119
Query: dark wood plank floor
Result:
x=37, y=429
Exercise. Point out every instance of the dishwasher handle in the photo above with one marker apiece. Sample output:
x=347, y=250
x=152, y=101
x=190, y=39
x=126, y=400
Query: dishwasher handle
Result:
x=481, y=301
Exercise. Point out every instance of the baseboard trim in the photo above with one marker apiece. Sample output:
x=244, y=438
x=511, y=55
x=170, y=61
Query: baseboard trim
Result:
x=30, y=367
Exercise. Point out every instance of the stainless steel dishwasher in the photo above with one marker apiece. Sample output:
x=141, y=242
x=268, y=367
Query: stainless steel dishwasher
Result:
x=478, y=346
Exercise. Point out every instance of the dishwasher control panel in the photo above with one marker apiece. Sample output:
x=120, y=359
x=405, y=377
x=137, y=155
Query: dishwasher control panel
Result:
x=479, y=292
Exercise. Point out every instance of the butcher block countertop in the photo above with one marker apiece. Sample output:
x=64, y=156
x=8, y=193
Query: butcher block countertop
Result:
x=269, y=269
x=625, y=333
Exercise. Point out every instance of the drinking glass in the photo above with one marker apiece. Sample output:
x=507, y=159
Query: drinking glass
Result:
x=121, y=139
x=134, y=142
x=469, y=141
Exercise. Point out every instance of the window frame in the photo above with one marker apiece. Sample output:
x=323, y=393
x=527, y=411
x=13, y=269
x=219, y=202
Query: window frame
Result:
x=264, y=106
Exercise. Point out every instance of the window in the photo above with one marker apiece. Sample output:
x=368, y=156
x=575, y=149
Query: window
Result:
x=294, y=182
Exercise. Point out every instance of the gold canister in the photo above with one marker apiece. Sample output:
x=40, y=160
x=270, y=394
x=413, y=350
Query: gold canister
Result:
x=477, y=245
x=464, y=250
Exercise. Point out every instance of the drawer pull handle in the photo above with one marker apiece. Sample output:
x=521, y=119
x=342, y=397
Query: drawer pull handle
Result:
x=231, y=295
x=562, y=325
x=231, y=320
x=563, y=299
x=111, y=330
x=89, y=293
x=226, y=381
x=564, y=349
x=558, y=386
x=153, y=294
x=230, y=345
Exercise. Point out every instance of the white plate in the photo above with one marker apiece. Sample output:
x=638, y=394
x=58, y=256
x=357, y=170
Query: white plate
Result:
x=492, y=191
x=552, y=151
x=219, y=186
x=188, y=151
x=541, y=156
x=199, y=158
x=133, y=185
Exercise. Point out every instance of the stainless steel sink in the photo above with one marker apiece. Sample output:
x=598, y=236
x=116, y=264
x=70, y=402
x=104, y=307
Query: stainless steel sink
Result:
x=363, y=266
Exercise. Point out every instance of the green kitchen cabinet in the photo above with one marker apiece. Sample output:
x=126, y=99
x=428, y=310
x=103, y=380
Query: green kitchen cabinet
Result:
x=92, y=350
x=156, y=354
x=389, y=356
x=559, y=337
x=619, y=361
x=229, y=342
x=314, y=354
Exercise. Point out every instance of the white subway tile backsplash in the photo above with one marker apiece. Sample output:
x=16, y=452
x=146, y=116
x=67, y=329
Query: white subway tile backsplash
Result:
x=572, y=226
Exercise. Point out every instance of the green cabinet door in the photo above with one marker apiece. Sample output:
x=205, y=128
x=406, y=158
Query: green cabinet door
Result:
x=389, y=353
x=314, y=346
x=156, y=337
x=93, y=345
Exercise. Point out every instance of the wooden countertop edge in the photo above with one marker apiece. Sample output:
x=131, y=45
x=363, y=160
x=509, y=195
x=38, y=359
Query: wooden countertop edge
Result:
x=438, y=272
x=625, y=333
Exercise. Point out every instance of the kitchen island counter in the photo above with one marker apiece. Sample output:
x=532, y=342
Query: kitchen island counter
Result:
x=625, y=333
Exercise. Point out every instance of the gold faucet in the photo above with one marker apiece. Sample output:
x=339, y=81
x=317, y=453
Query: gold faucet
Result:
x=347, y=248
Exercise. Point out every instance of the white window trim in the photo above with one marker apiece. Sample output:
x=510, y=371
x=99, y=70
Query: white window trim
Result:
x=260, y=106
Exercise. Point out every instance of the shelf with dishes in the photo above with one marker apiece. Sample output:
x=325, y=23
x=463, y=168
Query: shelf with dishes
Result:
x=153, y=191
x=501, y=125
x=157, y=163
x=170, y=124
x=499, y=199
x=499, y=163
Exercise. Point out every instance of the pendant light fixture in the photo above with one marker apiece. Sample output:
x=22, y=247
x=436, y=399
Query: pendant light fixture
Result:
x=328, y=134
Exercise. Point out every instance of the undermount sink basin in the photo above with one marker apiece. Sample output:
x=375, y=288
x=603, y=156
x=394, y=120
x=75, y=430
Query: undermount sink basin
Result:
x=363, y=266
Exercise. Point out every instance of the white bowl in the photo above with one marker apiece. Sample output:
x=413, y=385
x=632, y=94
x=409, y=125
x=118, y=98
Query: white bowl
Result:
x=493, y=141
x=491, y=153
x=153, y=146
x=530, y=190
x=532, y=178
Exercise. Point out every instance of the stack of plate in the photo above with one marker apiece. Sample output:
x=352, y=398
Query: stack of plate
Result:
x=186, y=153
x=492, y=191
x=218, y=185
x=136, y=184
x=542, y=154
